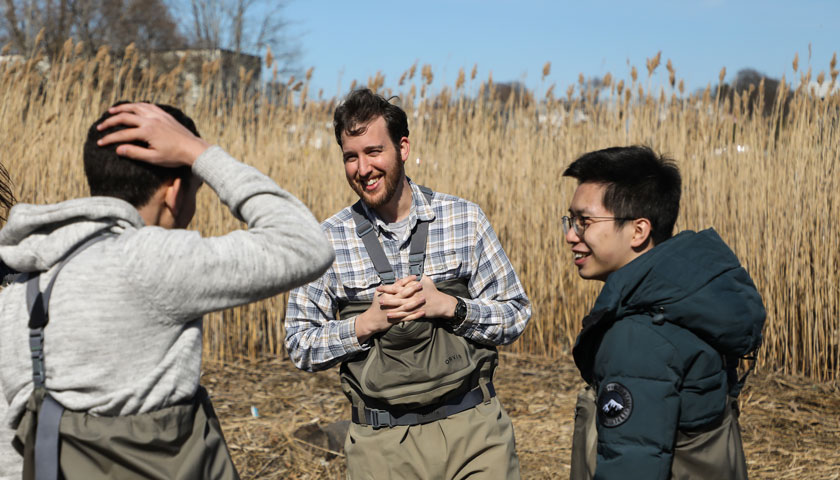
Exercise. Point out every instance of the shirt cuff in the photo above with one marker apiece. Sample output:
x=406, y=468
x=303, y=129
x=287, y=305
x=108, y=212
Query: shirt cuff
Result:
x=473, y=316
x=349, y=338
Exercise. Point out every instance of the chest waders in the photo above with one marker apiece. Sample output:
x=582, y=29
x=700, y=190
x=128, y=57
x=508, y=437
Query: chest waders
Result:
x=715, y=451
x=416, y=372
x=179, y=442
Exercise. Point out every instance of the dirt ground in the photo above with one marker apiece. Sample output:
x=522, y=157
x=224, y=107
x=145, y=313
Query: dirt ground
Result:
x=791, y=427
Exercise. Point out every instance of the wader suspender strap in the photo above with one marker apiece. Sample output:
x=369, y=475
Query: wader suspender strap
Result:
x=49, y=416
x=416, y=253
x=416, y=257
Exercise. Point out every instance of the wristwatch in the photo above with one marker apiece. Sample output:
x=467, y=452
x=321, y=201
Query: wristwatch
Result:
x=460, y=311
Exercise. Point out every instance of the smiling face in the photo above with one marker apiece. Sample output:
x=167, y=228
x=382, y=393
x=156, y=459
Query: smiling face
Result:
x=603, y=248
x=374, y=167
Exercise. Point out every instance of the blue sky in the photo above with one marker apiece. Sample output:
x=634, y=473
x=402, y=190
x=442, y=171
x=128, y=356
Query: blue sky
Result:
x=347, y=40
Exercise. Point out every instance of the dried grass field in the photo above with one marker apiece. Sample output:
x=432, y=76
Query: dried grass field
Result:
x=766, y=182
x=790, y=425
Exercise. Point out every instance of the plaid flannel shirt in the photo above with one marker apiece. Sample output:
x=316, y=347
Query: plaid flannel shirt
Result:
x=461, y=244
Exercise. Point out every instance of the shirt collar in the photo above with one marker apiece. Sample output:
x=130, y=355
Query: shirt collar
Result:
x=420, y=209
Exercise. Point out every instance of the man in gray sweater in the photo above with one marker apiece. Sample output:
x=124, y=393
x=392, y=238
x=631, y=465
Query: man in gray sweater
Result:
x=126, y=332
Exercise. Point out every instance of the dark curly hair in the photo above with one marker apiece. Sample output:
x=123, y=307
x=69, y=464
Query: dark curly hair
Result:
x=360, y=107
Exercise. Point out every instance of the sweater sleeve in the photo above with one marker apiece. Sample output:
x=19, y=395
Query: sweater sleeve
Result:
x=186, y=275
x=638, y=402
x=11, y=464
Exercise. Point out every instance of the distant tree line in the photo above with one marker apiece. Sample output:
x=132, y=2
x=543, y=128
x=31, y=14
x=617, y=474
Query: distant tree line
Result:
x=747, y=82
x=241, y=26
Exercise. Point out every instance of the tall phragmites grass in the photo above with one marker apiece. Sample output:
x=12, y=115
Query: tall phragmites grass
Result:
x=768, y=184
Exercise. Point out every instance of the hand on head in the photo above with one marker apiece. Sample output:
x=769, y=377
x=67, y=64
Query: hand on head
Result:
x=170, y=144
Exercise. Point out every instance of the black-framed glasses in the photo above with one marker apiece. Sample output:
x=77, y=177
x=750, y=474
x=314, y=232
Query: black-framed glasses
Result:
x=580, y=222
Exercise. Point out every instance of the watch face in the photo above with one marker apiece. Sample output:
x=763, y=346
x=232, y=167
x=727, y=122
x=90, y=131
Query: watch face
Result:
x=460, y=310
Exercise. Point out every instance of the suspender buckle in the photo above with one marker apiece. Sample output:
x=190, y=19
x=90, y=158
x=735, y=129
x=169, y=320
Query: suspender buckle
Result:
x=364, y=229
x=36, y=342
x=388, y=277
x=36, y=351
x=380, y=418
x=415, y=263
x=415, y=270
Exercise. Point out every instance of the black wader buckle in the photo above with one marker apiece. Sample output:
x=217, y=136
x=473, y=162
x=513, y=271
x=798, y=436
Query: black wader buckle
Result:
x=380, y=418
x=36, y=349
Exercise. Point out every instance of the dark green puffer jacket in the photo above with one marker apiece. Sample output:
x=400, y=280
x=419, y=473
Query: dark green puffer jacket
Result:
x=653, y=344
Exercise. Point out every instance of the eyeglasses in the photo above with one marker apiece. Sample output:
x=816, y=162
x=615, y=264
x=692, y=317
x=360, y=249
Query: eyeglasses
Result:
x=580, y=222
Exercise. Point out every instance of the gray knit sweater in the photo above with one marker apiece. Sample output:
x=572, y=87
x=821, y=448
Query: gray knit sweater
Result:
x=125, y=329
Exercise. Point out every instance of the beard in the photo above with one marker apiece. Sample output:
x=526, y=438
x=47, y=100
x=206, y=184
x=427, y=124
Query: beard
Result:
x=391, y=179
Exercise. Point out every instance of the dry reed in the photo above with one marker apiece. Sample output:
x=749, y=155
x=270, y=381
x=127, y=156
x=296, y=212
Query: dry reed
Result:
x=790, y=426
x=767, y=183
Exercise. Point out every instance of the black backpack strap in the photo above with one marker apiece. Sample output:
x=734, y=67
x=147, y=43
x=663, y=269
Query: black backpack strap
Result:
x=49, y=415
x=417, y=252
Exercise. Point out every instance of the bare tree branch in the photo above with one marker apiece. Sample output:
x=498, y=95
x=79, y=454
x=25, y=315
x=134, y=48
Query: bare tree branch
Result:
x=242, y=26
x=115, y=23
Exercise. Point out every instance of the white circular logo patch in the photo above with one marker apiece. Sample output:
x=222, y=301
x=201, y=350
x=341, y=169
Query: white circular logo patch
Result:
x=615, y=404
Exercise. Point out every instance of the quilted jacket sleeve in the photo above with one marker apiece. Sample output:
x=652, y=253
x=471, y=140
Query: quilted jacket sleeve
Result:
x=638, y=403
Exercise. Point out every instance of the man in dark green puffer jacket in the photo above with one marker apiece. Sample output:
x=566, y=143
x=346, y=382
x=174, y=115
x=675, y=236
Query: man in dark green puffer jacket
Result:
x=661, y=344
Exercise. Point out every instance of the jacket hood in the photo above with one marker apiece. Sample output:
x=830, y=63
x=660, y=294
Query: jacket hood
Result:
x=36, y=237
x=695, y=281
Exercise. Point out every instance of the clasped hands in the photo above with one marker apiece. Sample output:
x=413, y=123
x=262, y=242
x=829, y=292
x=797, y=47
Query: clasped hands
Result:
x=405, y=300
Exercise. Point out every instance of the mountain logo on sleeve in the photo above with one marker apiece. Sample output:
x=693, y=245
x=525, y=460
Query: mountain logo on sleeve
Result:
x=615, y=404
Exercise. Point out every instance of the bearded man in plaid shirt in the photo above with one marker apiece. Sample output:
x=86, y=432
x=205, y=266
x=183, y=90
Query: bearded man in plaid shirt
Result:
x=419, y=296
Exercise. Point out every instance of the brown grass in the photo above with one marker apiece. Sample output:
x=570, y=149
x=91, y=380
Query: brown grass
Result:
x=775, y=203
x=790, y=425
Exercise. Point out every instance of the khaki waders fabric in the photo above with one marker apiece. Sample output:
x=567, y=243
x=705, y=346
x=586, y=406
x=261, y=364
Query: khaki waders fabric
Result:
x=476, y=444
x=416, y=364
x=716, y=453
x=585, y=439
x=182, y=442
